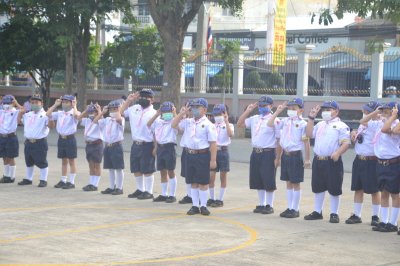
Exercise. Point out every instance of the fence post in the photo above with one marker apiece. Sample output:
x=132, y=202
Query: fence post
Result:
x=302, y=69
x=378, y=58
x=7, y=80
x=182, y=87
x=238, y=64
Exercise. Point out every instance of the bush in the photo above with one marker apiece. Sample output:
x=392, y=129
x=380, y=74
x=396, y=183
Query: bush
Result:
x=253, y=80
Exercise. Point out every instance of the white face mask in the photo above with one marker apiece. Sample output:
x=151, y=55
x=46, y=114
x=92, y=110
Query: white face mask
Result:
x=219, y=119
x=113, y=115
x=291, y=113
x=6, y=107
x=326, y=115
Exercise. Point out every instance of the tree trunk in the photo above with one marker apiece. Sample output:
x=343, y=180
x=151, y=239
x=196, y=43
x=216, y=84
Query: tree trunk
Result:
x=69, y=68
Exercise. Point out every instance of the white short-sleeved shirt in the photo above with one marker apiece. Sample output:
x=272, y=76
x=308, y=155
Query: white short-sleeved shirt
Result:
x=92, y=130
x=163, y=131
x=329, y=135
x=200, y=132
x=223, y=138
x=67, y=124
x=293, y=133
x=138, y=118
x=366, y=148
x=263, y=136
x=8, y=121
x=35, y=125
x=112, y=130
x=386, y=146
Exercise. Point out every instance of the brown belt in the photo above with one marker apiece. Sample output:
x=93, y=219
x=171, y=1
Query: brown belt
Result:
x=222, y=148
x=165, y=144
x=99, y=141
x=190, y=151
x=322, y=158
x=367, y=158
x=34, y=140
x=389, y=161
x=113, y=144
x=260, y=150
x=291, y=153
x=67, y=136
x=7, y=135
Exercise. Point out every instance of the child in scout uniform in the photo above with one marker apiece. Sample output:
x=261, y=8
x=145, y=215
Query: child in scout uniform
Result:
x=142, y=150
x=9, y=146
x=67, y=124
x=293, y=140
x=225, y=131
x=112, y=128
x=36, y=131
x=94, y=146
x=364, y=178
x=265, y=157
x=201, y=152
x=332, y=139
x=386, y=148
x=165, y=137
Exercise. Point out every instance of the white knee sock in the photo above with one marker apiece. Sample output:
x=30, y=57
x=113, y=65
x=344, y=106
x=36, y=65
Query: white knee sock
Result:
x=6, y=170
x=203, y=197
x=140, y=183
x=212, y=194
x=357, y=209
x=319, y=201
x=262, y=197
x=296, y=199
x=44, y=173
x=394, y=216
x=72, y=178
x=164, y=187
x=172, y=186
x=375, y=209
x=111, y=176
x=149, y=182
x=221, y=193
x=270, y=198
x=11, y=171
x=96, y=180
x=120, y=178
x=289, y=198
x=385, y=215
x=29, y=173
x=334, y=204
x=189, y=190
x=195, y=197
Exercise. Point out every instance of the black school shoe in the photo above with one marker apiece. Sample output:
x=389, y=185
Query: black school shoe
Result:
x=267, y=210
x=135, y=194
x=170, y=199
x=117, y=191
x=259, y=209
x=217, y=204
x=145, y=195
x=68, y=185
x=374, y=220
x=210, y=202
x=25, y=182
x=378, y=227
x=6, y=180
x=108, y=191
x=388, y=228
x=293, y=214
x=160, y=198
x=89, y=187
x=354, y=219
x=284, y=213
x=60, y=184
x=42, y=183
x=186, y=200
x=194, y=210
x=204, y=211
x=334, y=219
x=313, y=216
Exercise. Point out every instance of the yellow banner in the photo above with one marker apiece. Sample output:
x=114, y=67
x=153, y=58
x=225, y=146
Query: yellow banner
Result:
x=279, y=57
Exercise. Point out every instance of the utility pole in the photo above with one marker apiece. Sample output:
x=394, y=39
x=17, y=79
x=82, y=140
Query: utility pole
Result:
x=200, y=68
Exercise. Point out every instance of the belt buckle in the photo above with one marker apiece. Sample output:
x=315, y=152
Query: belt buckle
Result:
x=321, y=158
x=32, y=140
x=190, y=151
x=385, y=163
x=258, y=150
x=288, y=153
x=63, y=136
x=109, y=144
x=138, y=142
x=361, y=157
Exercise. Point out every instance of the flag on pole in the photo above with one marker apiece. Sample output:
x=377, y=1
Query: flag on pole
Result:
x=209, y=36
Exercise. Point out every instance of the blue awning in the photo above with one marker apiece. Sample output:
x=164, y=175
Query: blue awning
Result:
x=212, y=68
x=391, y=70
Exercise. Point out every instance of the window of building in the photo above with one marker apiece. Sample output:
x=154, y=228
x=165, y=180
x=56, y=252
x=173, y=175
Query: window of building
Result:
x=226, y=12
x=143, y=8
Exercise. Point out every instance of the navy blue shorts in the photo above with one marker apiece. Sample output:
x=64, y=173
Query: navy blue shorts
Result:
x=198, y=168
x=166, y=157
x=36, y=153
x=292, y=167
x=67, y=148
x=94, y=152
x=327, y=175
x=9, y=147
x=114, y=157
x=183, y=162
x=388, y=177
x=142, y=159
x=262, y=170
x=222, y=161
x=364, y=176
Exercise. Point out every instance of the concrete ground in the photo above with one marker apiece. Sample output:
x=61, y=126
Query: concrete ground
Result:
x=53, y=226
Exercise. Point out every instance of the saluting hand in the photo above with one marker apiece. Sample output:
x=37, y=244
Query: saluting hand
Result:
x=314, y=111
x=58, y=102
x=251, y=107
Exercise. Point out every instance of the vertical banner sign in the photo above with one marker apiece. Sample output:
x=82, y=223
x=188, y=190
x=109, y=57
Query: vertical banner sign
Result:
x=279, y=58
